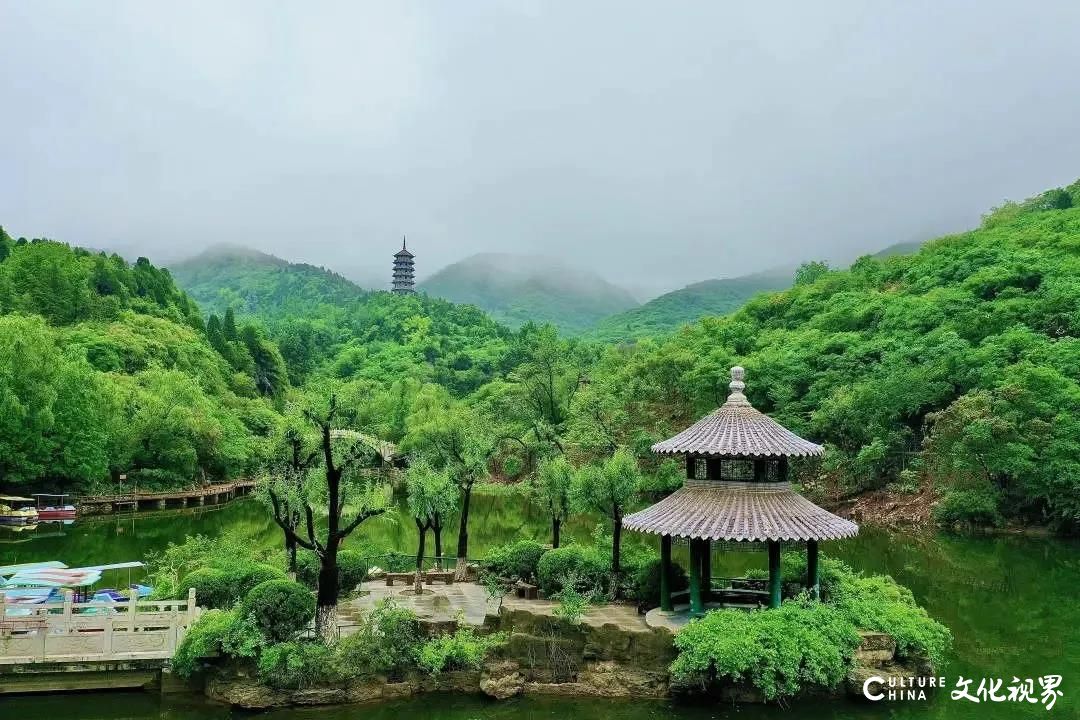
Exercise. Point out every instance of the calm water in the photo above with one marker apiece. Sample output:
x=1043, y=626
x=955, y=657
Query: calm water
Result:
x=1011, y=603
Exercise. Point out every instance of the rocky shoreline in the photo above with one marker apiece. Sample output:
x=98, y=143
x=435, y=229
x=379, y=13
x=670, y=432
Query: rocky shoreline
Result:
x=543, y=656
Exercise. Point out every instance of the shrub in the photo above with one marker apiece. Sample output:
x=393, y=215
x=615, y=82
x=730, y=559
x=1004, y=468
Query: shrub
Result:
x=572, y=604
x=644, y=582
x=460, y=650
x=245, y=575
x=880, y=603
x=517, y=560
x=976, y=506
x=213, y=589
x=512, y=466
x=397, y=561
x=387, y=643
x=224, y=632
x=294, y=665
x=167, y=570
x=588, y=567
x=279, y=608
x=778, y=651
x=352, y=569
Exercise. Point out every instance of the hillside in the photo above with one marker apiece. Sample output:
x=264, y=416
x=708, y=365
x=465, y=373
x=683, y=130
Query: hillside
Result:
x=516, y=289
x=107, y=367
x=326, y=325
x=957, y=365
x=668, y=312
x=255, y=283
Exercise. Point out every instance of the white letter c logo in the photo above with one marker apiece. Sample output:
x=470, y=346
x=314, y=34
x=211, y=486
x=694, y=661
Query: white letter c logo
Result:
x=866, y=688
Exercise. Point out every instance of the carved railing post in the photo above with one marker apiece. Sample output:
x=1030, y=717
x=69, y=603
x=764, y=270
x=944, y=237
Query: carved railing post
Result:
x=133, y=607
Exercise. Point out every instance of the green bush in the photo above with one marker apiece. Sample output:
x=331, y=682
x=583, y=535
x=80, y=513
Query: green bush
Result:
x=778, y=651
x=245, y=575
x=224, y=632
x=460, y=650
x=512, y=466
x=213, y=588
x=386, y=643
x=644, y=582
x=298, y=664
x=353, y=567
x=880, y=603
x=517, y=560
x=969, y=506
x=397, y=561
x=279, y=608
x=587, y=565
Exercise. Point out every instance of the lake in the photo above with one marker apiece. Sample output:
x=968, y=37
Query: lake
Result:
x=1010, y=601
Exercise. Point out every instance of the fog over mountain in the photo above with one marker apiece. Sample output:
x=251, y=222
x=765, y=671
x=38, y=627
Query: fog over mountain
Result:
x=655, y=145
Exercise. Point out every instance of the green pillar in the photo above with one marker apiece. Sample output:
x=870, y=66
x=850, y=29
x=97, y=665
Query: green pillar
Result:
x=774, y=574
x=665, y=573
x=696, y=608
x=706, y=571
x=813, y=582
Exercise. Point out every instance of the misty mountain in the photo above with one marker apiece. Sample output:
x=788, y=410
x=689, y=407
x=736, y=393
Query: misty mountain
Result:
x=256, y=283
x=515, y=289
x=669, y=311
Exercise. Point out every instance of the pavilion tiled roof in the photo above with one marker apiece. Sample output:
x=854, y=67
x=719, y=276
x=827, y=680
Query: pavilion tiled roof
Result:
x=735, y=511
x=736, y=429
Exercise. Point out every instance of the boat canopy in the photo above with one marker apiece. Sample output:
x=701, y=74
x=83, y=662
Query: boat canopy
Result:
x=15, y=498
x=54, y=577
x=6, y=570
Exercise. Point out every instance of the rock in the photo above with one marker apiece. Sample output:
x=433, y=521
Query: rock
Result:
x=875, y=649
x=502, y=680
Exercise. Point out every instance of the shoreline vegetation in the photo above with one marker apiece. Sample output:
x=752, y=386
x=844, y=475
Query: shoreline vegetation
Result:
x=254, y=646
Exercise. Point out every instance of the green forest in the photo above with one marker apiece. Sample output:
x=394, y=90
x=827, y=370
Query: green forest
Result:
x=955, y=369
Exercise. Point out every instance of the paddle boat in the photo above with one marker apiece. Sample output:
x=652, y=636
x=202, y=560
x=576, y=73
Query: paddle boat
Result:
x=54, y=507
x=16, y=510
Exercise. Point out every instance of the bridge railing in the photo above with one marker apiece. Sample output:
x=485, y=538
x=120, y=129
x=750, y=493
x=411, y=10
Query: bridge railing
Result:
x=86, y=632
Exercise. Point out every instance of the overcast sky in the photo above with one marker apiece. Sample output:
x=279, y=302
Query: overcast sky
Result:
x=659, y=143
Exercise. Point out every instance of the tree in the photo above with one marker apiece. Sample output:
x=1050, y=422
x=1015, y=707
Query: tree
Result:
x=228, y=325
x=296, y=453
x=452, y=438
x=339, y=481
x=554, y=482
x=809, y=272
x=433, y=495
x=608, y=489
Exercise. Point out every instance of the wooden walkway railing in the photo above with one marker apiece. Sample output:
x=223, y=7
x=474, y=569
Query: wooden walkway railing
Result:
x=216, y=493
x=68, y=631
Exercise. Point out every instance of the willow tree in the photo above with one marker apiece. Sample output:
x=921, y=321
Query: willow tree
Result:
x=452, y=438
x=608, y=489
x=554, y=482
x=432, y=497
x=295, y=453
x=344, y=483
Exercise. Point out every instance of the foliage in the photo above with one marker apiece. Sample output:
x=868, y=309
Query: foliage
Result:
x=969, y=506
x=221, y=569
x=608, y=489
x=645, y=582
x=572, y=604
x=666, y=314
x=386, y=643
x=352, y=568
x=227, y=632
x=297, y=664
x=552, y=489
x=586, y=565
x=517, y=560
x=461, y=650
x=879, y=603
x=279, y=608
x=779, y=651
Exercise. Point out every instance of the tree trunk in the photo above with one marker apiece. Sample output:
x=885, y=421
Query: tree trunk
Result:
x=556, y=526
x=418, y=580
x=436, y=530
x=616, y=542
x=327, y=594
x=290, y=551
x=462, y=568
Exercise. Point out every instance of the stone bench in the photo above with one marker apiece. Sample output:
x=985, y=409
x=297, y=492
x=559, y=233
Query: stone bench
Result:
x=526, y=591
x=392, y=576
x=446, y=576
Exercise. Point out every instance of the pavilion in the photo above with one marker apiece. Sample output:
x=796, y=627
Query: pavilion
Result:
x=737, y=493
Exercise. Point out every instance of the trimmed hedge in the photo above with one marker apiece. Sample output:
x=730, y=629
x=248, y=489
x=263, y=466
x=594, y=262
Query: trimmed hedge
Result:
x=279, y=608
x=517, y=560
x=588, y=567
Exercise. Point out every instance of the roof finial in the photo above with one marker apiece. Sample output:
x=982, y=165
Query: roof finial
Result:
x=737, y=385
x=403, y=242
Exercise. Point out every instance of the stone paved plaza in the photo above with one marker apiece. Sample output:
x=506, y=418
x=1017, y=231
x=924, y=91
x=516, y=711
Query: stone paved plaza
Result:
x=442, y=603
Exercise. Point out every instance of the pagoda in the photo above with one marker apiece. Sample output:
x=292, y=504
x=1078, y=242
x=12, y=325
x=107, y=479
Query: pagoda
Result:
x=403, y=270
x=737, y=494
